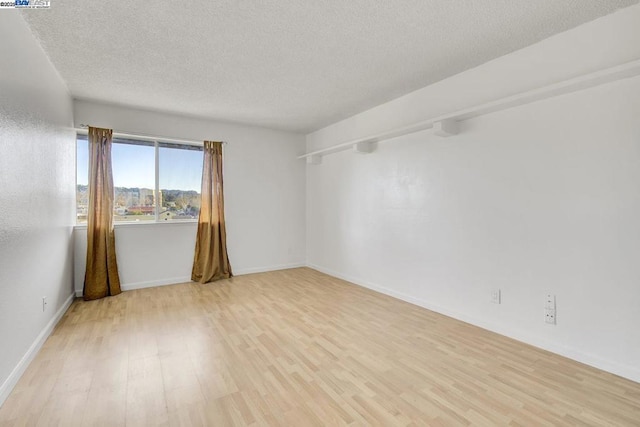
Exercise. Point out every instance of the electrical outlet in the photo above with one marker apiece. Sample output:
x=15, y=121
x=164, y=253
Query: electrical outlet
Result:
x=44, y=303
x=550, y=316
x=550, y=301
x=495, y=296
x=550, y=309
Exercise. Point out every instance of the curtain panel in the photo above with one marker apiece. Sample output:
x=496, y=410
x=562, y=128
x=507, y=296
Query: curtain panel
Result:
x=211, y=261
x=101, y=277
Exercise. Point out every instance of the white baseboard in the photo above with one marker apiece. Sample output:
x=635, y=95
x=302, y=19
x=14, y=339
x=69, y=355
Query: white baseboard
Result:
x=244, y=271
x=183, y=279
x=147, y=284
x=12, y=380
x=154, y=283
x=630, y=372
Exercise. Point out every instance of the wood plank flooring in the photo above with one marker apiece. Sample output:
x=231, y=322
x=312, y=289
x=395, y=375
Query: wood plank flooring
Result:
x=297, y=348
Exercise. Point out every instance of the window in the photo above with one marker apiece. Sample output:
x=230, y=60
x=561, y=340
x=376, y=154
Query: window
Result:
x=153, y=180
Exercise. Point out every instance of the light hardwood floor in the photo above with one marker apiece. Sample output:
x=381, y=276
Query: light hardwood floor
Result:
x=296, y=348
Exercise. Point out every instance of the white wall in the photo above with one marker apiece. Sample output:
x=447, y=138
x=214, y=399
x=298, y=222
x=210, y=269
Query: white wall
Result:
x=605, y=42
x=539, y=198
x=148, y=254
x=37, y=179
x=264, y=200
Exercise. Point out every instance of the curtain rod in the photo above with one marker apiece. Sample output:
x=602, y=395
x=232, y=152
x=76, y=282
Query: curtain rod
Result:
x=84, y=129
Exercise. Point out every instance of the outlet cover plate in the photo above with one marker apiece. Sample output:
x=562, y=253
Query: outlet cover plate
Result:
x=495, y=296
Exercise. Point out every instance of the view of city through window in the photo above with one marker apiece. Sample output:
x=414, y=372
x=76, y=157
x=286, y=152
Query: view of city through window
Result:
x=134, y=175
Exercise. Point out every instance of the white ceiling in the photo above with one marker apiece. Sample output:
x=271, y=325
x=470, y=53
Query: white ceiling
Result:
x=287, y=64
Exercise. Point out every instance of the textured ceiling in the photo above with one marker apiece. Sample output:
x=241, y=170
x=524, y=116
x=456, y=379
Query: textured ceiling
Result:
x=287, y=64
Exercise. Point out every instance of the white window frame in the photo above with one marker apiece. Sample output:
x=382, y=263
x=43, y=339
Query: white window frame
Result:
x=156, y=192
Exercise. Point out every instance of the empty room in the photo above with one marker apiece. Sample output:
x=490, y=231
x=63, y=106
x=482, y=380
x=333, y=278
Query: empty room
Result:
x=334, y=213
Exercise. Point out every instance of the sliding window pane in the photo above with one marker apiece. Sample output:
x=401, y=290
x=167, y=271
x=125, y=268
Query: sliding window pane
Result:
x=180, y=174
x=133, y=164
x=82, y=178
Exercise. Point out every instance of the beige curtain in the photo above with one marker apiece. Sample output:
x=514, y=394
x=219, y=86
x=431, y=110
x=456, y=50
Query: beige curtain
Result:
x=211, y=261
x=101, y=277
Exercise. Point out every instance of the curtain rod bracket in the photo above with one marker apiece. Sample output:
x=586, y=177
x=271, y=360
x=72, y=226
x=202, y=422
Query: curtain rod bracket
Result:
x=83, y=127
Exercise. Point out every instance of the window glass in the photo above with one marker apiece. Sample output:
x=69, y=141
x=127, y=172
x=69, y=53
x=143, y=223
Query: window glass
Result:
x=134, y=178
x=133, y=166
x=82, y=178
x=180, y=172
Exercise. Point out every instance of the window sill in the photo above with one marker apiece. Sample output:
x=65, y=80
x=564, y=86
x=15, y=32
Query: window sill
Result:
x=142, y=224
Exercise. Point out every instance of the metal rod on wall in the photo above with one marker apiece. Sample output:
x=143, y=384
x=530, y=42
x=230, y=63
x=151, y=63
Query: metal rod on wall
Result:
x=83, y=128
